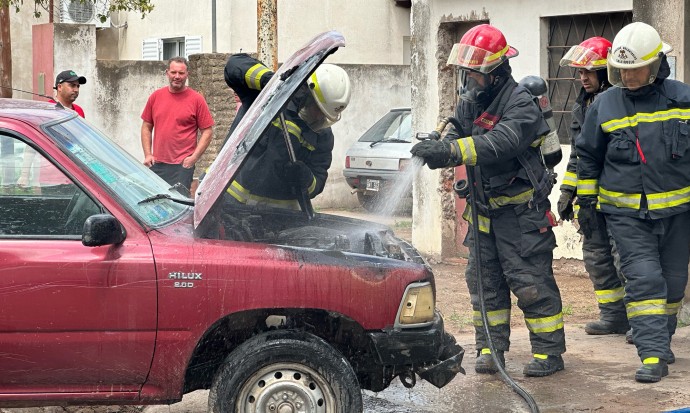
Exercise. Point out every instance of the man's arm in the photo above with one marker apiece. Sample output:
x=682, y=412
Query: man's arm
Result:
x=147, y=143
x=204, y=141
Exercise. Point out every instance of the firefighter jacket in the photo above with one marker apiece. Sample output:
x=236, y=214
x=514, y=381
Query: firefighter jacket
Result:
x=261, y=178
x=503, y=140
x=583, y=100
x=632, y=152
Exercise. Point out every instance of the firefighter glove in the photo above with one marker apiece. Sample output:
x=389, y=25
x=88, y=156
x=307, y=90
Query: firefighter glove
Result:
x=436, y=153
x=298, y=174
x=587, y=217
x=565, y=205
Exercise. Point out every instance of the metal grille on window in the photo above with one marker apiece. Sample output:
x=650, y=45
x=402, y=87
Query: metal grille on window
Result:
x=564, y=32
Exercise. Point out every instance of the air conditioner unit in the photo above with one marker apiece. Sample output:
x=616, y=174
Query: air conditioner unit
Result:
x=77, y=12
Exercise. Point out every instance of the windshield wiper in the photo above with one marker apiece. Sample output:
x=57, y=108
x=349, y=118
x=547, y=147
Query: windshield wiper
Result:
x=395, y=140
x=166, y=196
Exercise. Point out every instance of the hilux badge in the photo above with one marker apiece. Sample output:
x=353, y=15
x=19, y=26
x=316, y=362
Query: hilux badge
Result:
x=184, y=276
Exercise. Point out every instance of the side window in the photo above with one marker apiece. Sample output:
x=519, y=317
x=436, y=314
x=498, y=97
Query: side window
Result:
x=36, y=198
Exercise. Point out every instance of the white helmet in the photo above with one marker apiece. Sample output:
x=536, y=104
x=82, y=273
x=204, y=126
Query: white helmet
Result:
x=330, y=88
x=636, y=45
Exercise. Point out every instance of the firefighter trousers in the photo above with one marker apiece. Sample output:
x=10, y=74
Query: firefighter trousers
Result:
x=603, y=267
x=517, y=256
x=654, y=258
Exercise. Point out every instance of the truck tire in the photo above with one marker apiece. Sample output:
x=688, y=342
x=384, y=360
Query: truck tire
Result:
x=285, y=371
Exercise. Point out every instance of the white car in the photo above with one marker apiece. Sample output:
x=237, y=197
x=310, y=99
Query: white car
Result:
x=375, y=162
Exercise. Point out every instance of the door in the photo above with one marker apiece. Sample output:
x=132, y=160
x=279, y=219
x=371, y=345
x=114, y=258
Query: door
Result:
x=72, y=318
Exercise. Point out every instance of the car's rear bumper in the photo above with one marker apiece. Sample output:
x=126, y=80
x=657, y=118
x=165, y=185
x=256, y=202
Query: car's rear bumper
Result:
x=381, y=174
x=432, y=352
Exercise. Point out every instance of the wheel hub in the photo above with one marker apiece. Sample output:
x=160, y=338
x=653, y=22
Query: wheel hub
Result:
x=284, y=389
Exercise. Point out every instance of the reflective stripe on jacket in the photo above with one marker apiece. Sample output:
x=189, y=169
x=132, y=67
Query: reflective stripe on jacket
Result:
x=633, y=151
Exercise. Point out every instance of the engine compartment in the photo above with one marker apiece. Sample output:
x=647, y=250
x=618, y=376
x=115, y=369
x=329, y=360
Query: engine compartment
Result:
x=324, y=232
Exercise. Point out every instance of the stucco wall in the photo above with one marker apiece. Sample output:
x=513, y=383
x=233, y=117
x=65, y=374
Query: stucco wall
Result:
x=374, y=30
x=116, y=93
x=21, y=34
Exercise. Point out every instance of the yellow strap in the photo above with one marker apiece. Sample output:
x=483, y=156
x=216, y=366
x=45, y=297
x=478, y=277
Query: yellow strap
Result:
x=468, y=151
x=651, y=360
x=545, y=324
x=646, y=307
x=252, y=77
x=541, y=356
x=609, y=296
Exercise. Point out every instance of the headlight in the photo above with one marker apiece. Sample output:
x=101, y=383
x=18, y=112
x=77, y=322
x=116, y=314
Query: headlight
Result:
x=417, y=306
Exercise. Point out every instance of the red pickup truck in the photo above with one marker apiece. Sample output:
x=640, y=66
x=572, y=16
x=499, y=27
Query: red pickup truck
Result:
x=117, y=289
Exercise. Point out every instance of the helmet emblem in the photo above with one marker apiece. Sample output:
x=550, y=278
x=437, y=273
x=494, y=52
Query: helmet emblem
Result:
x=622, y=55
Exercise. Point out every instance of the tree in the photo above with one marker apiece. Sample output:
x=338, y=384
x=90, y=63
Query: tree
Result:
x=142, y=6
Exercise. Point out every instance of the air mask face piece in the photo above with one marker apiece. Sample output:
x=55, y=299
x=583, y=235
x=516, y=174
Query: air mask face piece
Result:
x=474, y=86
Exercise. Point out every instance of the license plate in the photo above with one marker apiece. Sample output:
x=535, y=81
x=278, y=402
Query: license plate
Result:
x=373, y=185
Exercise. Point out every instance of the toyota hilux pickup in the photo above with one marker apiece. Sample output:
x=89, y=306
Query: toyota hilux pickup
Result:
x=118, y=289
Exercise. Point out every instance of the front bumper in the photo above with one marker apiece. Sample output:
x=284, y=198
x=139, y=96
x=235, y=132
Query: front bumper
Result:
x=431, y=352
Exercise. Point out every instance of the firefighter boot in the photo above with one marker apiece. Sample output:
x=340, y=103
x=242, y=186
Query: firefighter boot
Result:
x=651, y=371
x=628, y=337
x=601, y=327
x=485, y=363
x=543, y=365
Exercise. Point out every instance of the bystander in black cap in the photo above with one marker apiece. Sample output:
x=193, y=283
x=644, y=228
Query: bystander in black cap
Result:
x=69, y=76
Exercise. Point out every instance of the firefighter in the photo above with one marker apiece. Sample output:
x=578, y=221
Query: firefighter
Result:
x=499, y=126
x=268, y=177
x=598, y=251
x=634, y=166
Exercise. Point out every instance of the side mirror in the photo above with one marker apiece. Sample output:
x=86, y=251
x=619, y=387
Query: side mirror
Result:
x=102, y=229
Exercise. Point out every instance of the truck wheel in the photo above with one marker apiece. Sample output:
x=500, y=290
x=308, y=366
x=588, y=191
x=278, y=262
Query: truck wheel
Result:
x=285, y=371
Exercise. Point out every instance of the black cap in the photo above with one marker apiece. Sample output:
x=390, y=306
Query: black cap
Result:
x=69, y=76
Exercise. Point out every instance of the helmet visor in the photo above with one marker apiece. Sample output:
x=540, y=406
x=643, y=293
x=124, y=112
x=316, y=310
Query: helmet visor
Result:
x=477, y=59
x=582, y=57
x=314, y=117
x=634, y=78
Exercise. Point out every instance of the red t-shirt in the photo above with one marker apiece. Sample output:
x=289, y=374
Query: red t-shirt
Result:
x=75, y=107
x=176, y=117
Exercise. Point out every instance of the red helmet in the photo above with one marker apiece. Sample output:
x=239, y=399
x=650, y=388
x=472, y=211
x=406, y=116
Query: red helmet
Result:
x=590, y=54
x=483, y=48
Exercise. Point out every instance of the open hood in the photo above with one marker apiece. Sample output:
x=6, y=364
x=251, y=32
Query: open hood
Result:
x=267, y=106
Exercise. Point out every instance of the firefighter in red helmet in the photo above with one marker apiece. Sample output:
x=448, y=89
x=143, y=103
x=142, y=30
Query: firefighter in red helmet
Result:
x=598, y=250
x=498, y=123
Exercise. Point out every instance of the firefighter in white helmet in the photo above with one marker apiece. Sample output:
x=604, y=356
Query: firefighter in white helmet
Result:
x=268, y=176
x=634, y=166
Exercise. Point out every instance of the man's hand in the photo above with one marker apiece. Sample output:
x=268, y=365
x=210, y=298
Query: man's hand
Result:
x=565, y=205
x=587, y=216
x=149, y=161
x=435, y=153
x=298, y=174
x=188, y=162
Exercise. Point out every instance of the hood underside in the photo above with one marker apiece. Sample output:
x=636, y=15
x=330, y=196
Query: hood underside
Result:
x=271, y=101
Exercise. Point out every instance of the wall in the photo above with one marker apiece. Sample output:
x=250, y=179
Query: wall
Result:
x=374, y=30
x=21, y=34
x=116, y=93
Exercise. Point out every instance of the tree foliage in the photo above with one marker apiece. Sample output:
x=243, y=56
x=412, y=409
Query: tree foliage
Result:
x=142, y=6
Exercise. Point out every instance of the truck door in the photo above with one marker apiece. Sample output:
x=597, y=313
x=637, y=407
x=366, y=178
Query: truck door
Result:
x=72, y=318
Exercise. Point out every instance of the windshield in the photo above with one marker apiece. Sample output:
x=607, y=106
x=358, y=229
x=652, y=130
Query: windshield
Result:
x=395, y=125
x=127, y=179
